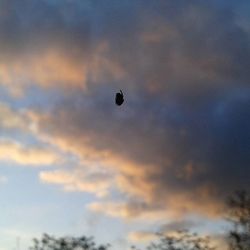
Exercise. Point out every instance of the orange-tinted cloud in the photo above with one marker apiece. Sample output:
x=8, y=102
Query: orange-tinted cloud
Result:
x=174, y=145
x=141, y=236
x=79, y=180
x=170, y=206
x=54, y=68
x=12, y=119
x=31, y=156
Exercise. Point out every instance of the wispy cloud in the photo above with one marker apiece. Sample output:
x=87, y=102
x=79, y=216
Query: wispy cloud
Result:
x=31, y=156
x=79, y=180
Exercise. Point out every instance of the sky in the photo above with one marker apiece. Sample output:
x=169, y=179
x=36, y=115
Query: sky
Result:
x=74, y=163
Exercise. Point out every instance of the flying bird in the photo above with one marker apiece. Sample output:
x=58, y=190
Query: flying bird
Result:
x=119, y=98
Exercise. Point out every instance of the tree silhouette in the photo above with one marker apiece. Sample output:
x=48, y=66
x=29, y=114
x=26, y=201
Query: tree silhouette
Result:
x=182, y=240
x=48, y=242
x=239, y=216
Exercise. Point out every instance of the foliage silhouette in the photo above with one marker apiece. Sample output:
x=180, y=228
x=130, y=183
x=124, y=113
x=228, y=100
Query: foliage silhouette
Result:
x=239, y=216
x=49, y=242
x=238, y=238
x=182, y=240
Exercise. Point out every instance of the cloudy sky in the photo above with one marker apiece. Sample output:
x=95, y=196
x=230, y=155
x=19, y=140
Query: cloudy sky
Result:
x=74, y=163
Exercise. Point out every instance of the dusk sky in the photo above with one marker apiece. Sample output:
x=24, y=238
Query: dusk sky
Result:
x=74, y=163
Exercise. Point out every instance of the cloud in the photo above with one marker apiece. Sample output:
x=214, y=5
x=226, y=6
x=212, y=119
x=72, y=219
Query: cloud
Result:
x=46, y=70
x=172, y=229
x=173, y=205
x=33, y=156
x=179, y=144
x=16, y=125
x=129, y=210
x=79, y=180
x=12, y=119
x=62, y=55
x=55, y=69
x=142, y=236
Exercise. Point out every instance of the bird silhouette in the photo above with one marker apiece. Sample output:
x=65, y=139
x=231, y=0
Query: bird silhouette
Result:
x=119, y=98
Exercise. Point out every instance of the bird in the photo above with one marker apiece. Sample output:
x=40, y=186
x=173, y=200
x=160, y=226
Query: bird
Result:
x=119, y=98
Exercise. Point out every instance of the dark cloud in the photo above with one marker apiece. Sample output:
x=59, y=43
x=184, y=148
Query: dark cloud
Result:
x=36, y=25
x=171, y=45
x=186, y=87
x=201, y=152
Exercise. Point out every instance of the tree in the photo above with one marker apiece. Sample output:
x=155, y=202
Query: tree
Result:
x=48, y=242
x=238, y=213
x=239, y=216
x=183, y=240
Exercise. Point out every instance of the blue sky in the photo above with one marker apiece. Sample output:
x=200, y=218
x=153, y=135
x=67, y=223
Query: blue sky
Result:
x=73, y=163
